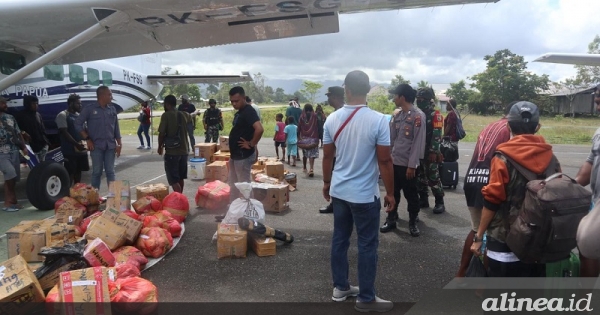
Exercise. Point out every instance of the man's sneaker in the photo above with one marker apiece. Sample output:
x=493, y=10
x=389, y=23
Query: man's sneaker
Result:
x=379, y=305
x=141, y=147
x=148, y=148
x=328, y=209
x=339, y=295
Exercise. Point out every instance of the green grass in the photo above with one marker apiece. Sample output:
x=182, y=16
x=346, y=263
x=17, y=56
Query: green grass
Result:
x=556, y=130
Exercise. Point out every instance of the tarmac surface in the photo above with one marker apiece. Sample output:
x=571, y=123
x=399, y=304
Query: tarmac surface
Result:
x=408, y=267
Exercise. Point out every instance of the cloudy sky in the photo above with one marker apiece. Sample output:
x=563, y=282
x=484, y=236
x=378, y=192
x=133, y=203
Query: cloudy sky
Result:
x=439, y=45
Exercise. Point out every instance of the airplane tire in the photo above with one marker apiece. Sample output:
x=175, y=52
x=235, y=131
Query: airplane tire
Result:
x=46, y=183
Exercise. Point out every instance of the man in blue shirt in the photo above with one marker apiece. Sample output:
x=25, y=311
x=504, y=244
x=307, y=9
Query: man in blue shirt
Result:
x=102, y=135
x=359, y=139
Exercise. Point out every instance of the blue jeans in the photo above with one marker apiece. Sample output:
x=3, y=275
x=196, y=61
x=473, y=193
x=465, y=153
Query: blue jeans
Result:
x=145, y=129
x=102, y=159
x=366, y=218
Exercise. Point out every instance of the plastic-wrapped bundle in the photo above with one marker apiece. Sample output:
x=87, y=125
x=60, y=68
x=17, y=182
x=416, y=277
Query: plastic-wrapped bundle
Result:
x=163, y=219
x=154, y=242
x=147, y=204
x=130, y=255
x=133, y=295
x=213, y=195
x=178, y=205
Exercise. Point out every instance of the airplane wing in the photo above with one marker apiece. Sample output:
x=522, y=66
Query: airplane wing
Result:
x=191, y=79
x=572, y=59
x=35, y=27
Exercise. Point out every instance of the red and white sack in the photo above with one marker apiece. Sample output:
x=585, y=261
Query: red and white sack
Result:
x=85, y=194
x=178, y=205
x=163, y=219
x=132, y=215
x=131, y=256
x=154, y=242
x=147, y=204
x=133, y=295
x=127, y=271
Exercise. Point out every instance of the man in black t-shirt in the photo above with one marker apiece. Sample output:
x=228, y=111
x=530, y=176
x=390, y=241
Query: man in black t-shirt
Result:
x=189, y=108
x=243, y=138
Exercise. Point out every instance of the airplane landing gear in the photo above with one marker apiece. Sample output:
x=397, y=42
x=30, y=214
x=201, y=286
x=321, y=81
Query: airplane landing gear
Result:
x=47, y=182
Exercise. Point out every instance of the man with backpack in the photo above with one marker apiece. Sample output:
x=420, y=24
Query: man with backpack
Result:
x=213, y=122
x=503, y=196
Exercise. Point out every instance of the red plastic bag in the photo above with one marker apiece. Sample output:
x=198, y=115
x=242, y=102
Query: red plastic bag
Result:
x=131, y=256
x=163, y=219
x=147, y=204
x=132, y=215
x=52, y=297
x=133, y=295
x=213, y=195
x=154, y=242
x=178, y=205
x=127, y=271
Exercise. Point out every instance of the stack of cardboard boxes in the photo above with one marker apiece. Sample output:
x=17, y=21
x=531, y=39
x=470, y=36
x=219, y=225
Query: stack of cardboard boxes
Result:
x=233, y=242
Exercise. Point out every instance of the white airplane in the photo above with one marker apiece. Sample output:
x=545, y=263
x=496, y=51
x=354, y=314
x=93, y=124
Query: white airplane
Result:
x=44, y=42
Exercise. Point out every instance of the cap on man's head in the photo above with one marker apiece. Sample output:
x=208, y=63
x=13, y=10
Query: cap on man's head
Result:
x=524, y=111
x=403, y=90
x=357, y=82
x=335, y=91
x=212, y=101
x=4, y=99
x=185, y=97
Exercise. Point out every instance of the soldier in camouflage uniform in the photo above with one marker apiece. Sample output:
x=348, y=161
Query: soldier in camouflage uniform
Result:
x=429, y=175
x=213, y=122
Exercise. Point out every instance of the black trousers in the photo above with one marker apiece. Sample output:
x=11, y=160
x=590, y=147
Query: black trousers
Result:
x=411, y=193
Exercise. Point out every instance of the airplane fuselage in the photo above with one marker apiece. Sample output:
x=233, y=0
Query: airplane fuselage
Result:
x=54, y=83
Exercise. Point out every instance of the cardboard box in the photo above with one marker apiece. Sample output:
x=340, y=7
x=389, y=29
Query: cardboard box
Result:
x=20, y=286
x=262, y=246
x=291, y=179
x=275, y=198
x=205, y=150
x=221, y=156
x=119, y=195
x=29, y=237
x=158, y=191
x=275, y=170
x=218, y=170
x=69, y=214
x=224, y=143
x=131, y=225
x=109, y=232
x=97, y=254
x=232, y=242
x=86, y=290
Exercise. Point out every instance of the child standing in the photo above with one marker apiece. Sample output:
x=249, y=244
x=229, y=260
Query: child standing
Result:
x=291, y=138
x=279, y=136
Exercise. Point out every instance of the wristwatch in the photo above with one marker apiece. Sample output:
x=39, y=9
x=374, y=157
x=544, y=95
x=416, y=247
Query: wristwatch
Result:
x=477, y=239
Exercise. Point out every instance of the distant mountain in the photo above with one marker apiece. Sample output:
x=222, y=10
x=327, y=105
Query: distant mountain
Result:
x=292, y=85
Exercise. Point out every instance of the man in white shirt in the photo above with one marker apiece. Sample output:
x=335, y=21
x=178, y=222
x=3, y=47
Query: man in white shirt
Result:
x=359, y=139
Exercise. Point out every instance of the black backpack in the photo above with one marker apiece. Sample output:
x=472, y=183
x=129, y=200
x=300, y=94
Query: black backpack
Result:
x=545, y=228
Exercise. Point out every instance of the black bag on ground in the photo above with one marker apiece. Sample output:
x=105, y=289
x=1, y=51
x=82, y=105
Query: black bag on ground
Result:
x=449, y=174
x=545, y=228
x=173, y=142
x=449, y=150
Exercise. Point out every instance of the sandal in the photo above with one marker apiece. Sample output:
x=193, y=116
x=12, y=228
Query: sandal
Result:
x=311, y=173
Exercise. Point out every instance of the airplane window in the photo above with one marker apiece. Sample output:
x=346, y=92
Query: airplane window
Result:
x=10, y=62
x=76, y=74
x=106, y=78
x=54, y=72
x=93, y=76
